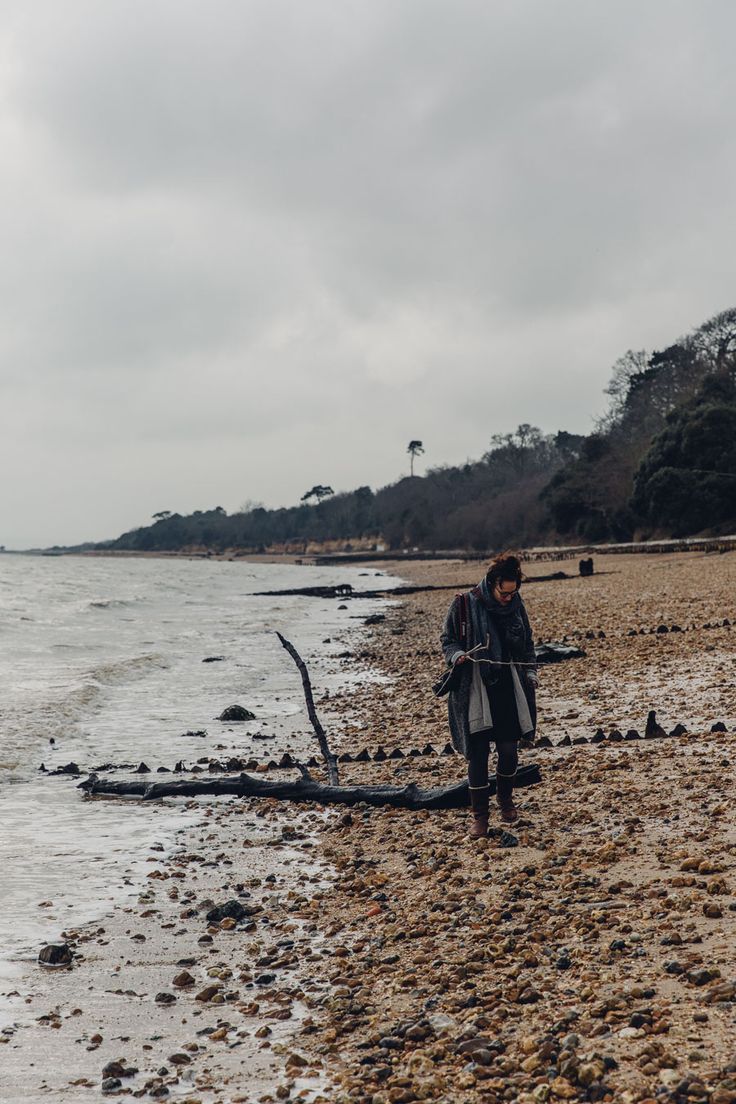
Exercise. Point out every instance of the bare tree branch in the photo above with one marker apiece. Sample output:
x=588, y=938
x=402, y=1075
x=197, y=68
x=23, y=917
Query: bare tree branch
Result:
x=329, y=757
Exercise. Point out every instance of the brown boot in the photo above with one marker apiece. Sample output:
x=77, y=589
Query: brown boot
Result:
x=479, y=805
x=505, y=799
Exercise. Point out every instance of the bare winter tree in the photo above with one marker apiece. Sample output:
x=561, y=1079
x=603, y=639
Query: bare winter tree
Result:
x=633, y=363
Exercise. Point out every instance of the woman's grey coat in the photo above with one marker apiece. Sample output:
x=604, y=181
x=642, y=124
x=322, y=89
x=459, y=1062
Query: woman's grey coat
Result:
x=482, y=628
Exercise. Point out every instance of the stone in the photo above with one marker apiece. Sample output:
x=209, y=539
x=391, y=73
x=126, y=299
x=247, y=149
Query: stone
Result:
x=669, y=1078
x=561, y=1087
x=236, y=713
x=55, y=956
x=723, y=992
x=208, y=993
x=183, y=980
x=118, y=1069
x=232, y=909
x=700, y=977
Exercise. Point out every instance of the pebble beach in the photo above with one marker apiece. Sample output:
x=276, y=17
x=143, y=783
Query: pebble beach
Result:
x=390, y=959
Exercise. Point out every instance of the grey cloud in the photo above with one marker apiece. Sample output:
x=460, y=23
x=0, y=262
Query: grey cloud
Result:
x=240, y=235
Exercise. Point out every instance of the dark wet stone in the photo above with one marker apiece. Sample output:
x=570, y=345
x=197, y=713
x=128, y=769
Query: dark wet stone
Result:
x=236, y=713
x=142, y=768
x=55, y=954
x=700, y=977
x=180, y=1059
x=719, y=726
x=391, y=1042
x=232, y=908
x=164, y=998
x=111, y=1084
x=467, y=1046
x=213, y=659
x=118, y=1069
x=265, y=979
x=68, y=768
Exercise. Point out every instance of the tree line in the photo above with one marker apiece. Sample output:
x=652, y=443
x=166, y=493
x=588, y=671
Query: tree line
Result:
x=660, y=462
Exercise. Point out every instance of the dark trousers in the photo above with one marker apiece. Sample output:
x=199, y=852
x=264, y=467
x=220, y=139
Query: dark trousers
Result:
x=480, y=746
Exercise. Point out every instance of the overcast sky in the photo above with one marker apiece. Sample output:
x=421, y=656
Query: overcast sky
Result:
x=252, y=246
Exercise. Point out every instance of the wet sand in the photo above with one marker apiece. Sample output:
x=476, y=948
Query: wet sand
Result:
x=394, y=959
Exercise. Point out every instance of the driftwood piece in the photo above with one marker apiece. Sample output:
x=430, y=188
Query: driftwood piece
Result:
x=301, y=789
x=347, y=591
x=554, y=652
x=329, y=757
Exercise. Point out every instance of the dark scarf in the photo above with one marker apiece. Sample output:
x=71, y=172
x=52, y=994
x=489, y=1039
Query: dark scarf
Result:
x=502, y=611
x=501, y=625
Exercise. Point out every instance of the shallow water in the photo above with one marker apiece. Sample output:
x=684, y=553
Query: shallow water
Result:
x=101, y=661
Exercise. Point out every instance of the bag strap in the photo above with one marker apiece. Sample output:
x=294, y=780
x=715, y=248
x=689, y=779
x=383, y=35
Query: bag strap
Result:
x=463, y=612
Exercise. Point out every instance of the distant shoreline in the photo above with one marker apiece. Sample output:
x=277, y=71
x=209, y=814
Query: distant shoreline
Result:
x=313, y=557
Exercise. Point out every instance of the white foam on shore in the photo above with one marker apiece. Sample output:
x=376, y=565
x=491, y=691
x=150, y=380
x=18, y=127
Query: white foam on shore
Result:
x=104, y=656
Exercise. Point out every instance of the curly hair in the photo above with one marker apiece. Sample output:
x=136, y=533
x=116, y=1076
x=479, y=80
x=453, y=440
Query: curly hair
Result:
x=506, y=568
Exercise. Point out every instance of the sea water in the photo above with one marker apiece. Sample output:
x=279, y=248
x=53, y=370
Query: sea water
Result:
x=102, y=661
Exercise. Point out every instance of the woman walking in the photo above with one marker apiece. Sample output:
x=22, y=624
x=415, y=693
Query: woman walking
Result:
x=487, y=637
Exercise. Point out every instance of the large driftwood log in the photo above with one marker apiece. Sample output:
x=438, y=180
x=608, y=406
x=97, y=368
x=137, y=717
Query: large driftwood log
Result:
x=301, y=789
x=345, y=590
